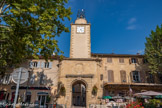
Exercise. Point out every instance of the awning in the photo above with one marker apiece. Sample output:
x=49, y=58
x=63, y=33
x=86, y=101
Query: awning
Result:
x=148, y=93
x=107, y=97
x=136, y=86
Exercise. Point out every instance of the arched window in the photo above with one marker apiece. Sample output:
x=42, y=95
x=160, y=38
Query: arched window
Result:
x=110, y=76
x=123, y=76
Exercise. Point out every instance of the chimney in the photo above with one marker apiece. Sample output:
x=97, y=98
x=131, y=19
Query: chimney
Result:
x=138, y=53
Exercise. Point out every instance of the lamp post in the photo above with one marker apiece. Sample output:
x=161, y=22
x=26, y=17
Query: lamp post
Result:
x=130, y=90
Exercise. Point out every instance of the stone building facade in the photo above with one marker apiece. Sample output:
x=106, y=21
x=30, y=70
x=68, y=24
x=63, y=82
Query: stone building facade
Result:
x=71, y=81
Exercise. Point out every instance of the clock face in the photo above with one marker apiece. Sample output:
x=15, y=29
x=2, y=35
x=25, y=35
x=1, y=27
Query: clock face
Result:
x=80, y=29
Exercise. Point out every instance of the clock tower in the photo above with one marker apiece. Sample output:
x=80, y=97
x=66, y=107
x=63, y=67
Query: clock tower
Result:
x=80, y=43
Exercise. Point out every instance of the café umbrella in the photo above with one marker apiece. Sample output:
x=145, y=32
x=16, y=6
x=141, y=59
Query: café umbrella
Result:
x=159, y=96
x=148, y=93
x=145, y=97
x=107, y=97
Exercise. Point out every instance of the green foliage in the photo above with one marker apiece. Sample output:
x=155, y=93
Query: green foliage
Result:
x=48, y=99
x=153, y=50
x=32, y=28
x=94, y=90
x=153, y=103
x=63, y=91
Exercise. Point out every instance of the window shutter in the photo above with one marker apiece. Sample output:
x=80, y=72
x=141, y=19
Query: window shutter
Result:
x=31, y=64
x=112, y=76
x=4, y=79
x=139, y=74
x=50, y=65
x=143, y=60
x=131, y=77
x=121, y=76
x=130, y=61
x=137, y=60
x=109, y=60
x=109, y=76
x=143, y=76
x=44, y=79
x=121, y=60
x=38, y=65
x=125, y=76
x=8, y=79
x=101, y=77
x=147, y=77
x=1, y=79
x=32, y=79
x=42, y=65
x=41, y=79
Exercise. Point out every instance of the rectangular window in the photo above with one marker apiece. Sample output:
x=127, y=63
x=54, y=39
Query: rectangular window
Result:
x=101, y=77
x=6, y=79
x=46, y=65
x=121, y=60
x=28, y=97
x=160, y=78
x=42, y=79
x=35, y=64
x=109, y=60
x=133, y=60
x=145, y=61
x=110, y=76
x=136, y=77
x=31, y=64
x=150, y=78
x=2, y=95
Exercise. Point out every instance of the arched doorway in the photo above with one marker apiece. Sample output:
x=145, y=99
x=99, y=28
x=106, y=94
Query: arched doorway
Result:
x=79, y=94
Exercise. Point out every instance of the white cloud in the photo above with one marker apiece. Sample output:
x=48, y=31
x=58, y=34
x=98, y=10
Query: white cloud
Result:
x=131, y=27
x=141, y=51
x=132, y=20
x=131, y=24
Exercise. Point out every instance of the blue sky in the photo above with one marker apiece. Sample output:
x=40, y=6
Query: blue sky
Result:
x=118, y=26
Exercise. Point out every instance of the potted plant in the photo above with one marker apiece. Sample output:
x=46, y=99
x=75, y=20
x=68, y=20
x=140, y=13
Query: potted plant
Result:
x=94, y=90
x=62, y=91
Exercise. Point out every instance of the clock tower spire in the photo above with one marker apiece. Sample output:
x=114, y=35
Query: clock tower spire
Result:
x=80, y=43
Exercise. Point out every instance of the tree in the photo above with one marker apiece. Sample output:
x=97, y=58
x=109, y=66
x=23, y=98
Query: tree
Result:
x=28, y=29
x=153, y=51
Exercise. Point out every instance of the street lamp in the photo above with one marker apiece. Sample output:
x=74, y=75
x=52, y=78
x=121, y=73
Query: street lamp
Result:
x=130, y=90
